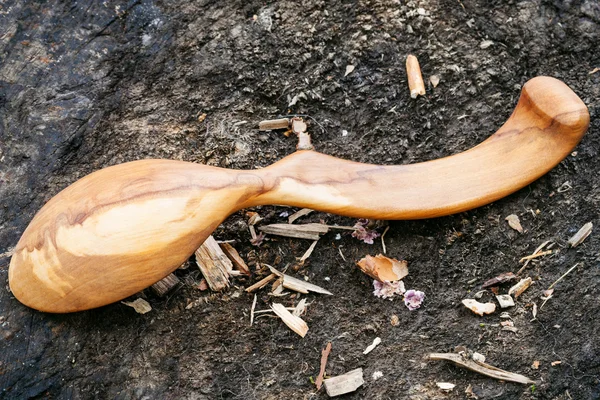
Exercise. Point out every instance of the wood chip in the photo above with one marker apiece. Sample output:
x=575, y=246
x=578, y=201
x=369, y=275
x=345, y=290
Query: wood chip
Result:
x=435, y=80
x=349, y=70
x=445, y=386
x=140, y=305
x=300, y=308
x=304, y=231
x=237, y=261
x=535, y=365
x=481, y=368
x=260, y=284
x=165, y=285
x=214, y=264
x=514, y=222
x=343, y=384
x=497, y=280
x=308, y=252
x=298, y=214
x=415, y=79
x=520, y=287
x=370, y=348
x=554, y=363
x=505, y=300
x=581, y=235
x=293, y=322
x=324, y=355
x=382, y=268
x=298, y=285
x=271, y=124
x=479, y=308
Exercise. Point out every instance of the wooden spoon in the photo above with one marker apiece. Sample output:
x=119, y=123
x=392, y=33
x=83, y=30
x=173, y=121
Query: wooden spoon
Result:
x=123, y=228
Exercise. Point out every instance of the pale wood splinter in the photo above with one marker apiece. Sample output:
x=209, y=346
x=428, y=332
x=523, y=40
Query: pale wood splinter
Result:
x=123, y=228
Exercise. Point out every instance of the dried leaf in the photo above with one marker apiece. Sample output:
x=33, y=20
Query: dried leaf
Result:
x=514, y=222
x=383, y=268
x=140, y=305
x=479, y=308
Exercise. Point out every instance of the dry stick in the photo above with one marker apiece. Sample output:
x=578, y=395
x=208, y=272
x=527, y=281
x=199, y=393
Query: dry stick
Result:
x=415, y=79
x=260, y=284
x=536, y=255
x=387, y=228
x=324, y=355
x=537, y=250
x=481, y=368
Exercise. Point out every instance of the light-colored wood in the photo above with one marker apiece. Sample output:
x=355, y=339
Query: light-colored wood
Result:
x=304, y=231
x=236, y=259
x=343, y=384
x=165, y=285
x=481, y=368
x=123, y=228
x=215, y=266
x=415, y=79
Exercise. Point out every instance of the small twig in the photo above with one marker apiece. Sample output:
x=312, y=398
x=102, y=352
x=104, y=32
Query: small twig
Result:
x=387, y=228
x=537, y=250
x=324, y=355
x=536, y=255
x=260, y=284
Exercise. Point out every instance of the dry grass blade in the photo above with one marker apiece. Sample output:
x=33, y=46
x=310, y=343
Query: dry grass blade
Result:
x=252, y=310
x=293, y=322
x=305, y=231
x=481, y=368
x=299, y=285
x=537, y=251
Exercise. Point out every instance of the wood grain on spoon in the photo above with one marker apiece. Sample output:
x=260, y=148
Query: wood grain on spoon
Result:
x=123, y=228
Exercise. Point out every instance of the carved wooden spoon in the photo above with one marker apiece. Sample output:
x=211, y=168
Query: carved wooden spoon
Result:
x=123, y=228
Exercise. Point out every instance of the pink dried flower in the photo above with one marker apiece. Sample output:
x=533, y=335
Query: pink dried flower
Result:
x=257, y=241
x=413, y=299
x=388, y=290
x=361, y=232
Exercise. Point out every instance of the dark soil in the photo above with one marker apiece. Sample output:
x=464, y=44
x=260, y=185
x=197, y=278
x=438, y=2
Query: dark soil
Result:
x=89, y=84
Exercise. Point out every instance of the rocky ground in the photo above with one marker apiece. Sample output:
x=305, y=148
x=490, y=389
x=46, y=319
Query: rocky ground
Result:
x=89, y=84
